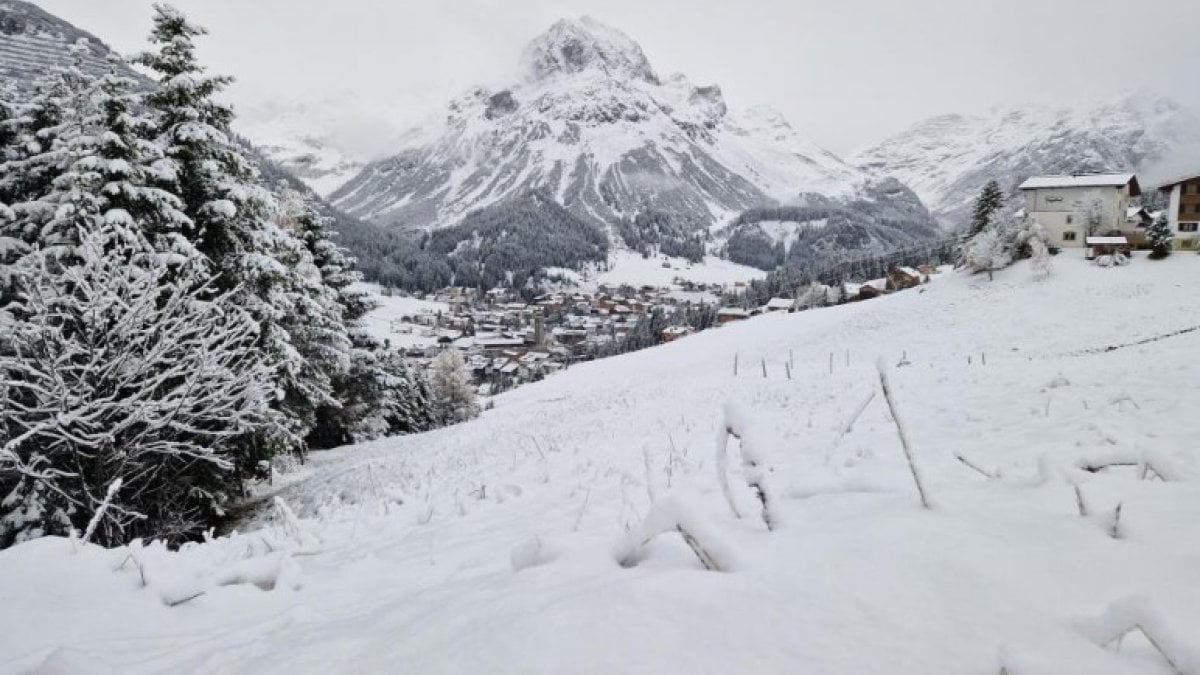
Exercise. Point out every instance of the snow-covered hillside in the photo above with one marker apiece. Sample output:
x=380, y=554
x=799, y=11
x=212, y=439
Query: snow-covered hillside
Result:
x=595, y=127
x=948, y=159
x=33, y=42
x=493, y=546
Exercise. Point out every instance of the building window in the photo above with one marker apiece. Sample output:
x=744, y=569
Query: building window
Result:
x=1068, y=236
x=1070, y=219
x=1188, y=227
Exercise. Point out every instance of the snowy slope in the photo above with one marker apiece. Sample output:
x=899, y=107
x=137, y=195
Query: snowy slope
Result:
x=948, y=159
x=492, y=546
x=33, y=42
x=594, y=126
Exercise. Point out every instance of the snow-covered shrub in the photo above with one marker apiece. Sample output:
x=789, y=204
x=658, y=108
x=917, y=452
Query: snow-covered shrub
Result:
x=1033, y=242
x=110, y=370
x=989, y=250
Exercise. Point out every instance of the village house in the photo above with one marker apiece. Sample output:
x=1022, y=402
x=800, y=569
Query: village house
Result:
x=729, y=314
x=1183, y=211
x=779, y=305
x=673, y=333
x=901, y=278
x=1072, y=208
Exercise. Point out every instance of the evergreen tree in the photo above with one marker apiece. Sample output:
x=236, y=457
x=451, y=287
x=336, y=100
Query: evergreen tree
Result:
x=39, y=152
x=233, y=228
x=1161, y=238
x=990, y=201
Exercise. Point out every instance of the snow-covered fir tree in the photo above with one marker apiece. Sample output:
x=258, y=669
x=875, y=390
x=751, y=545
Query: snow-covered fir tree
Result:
x=1161, y=237
x=989, y=203
x=234, y=226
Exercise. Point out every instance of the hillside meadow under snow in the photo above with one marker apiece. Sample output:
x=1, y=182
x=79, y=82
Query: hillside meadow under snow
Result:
x=495, y=546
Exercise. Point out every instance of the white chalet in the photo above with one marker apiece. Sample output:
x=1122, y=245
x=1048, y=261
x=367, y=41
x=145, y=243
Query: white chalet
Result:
x=1073, y=207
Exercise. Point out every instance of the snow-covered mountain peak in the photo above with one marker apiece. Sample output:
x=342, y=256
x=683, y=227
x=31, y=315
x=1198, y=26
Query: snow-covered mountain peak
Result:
x=578, y=45
x=616, y=148
x=947, y=159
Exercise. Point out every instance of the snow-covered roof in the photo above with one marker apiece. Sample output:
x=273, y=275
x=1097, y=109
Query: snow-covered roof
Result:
x=733, y=311
x=780, y=303
x=1076, y=181
x=1166, y=185
x=912, y=272
x=1106, y=240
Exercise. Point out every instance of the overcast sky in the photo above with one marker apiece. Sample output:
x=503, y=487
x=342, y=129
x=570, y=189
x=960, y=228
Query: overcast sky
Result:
x=845, y=73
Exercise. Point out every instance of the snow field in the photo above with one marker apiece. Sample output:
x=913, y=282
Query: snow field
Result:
x=496, y=546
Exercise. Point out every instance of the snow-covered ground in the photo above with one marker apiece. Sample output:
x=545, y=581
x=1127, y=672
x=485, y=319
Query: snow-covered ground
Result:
x=390, y=320
x=493, y=547
x=629, y=267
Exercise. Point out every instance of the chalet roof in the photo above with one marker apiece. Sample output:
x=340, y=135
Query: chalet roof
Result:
x=1195, y=175
x=1106, y=240
x=1083, y=180
x=780, y=303
x=733, y=311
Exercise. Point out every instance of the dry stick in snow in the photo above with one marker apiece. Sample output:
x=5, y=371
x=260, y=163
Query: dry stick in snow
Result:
x=702, y=554
x=649, y=474
x=830, y=363
x=722, y=469
x=971, y=465
x=764, y=366
x=887, y=395
x=787, y=367
x=579, y=518
x=670, y=516
x=1115, y=530
x=1079, y=503
x=849, y=426
x=99, y=514
x=735, y=360
x=755, y=478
